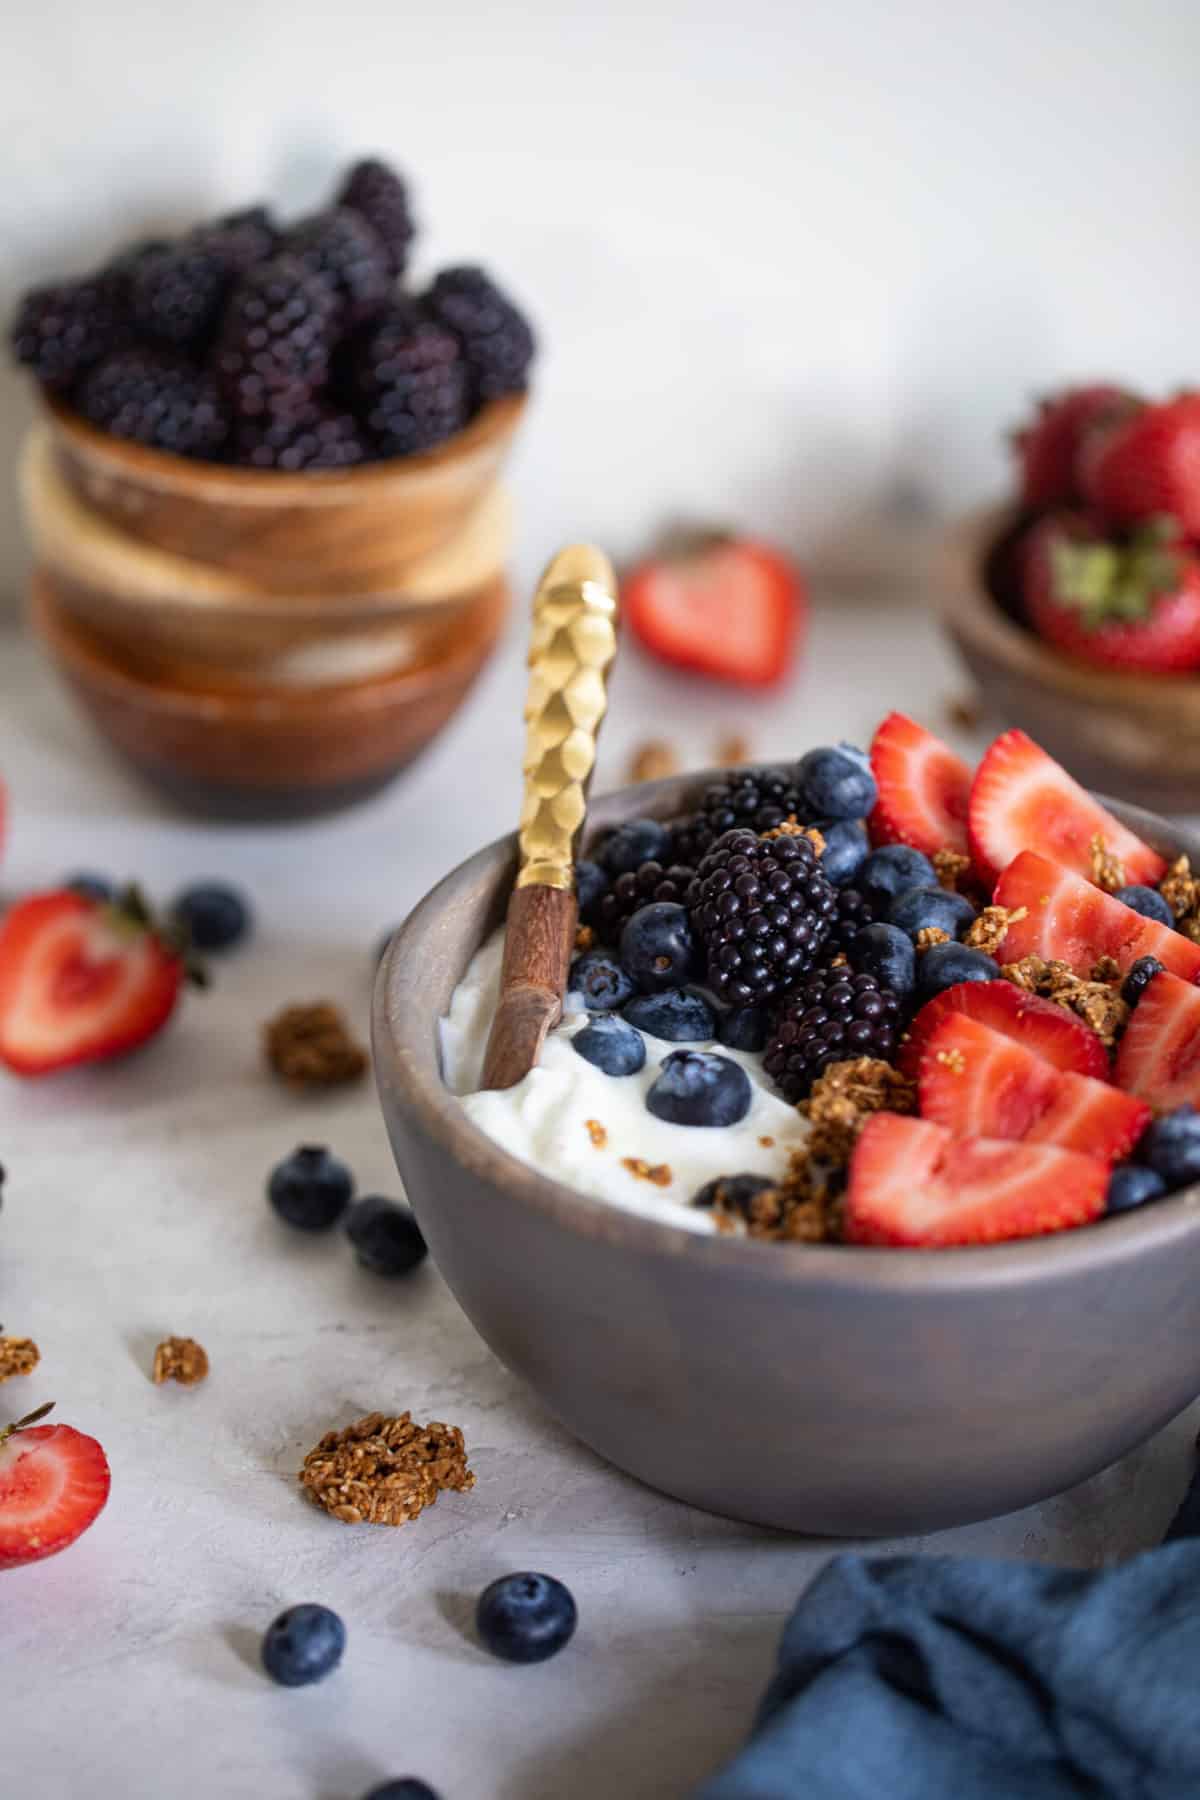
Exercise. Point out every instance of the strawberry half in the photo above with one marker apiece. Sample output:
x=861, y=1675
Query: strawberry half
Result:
x=1145, y=463
x=721, y=606
x=81, y=980
x=1057, y=1036
x=912, y=1183
x=1159, y=1055
x=1021, y=799
x=1119, y=606
x=53, y=1483
x=1068, y=920
x=923, y=788
x=1048, y=447
x=978, y=1082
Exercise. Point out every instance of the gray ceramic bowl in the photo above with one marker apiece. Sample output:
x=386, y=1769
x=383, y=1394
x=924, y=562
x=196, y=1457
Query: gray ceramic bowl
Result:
x=826, y=1389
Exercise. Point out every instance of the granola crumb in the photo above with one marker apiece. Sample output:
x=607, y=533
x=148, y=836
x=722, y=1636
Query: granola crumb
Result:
x=1097, y=1002
x=585, y=937
x=311, y=1046
x=1180, y=889
x=1108, y=871
x=18, y=1356
x=180, y=1359
x=948, y=865
x=989, y=930
x=954, y=1060
x=384, y=1471
x=659, y=1173
x=790, y=828
x=964, y=711
x=597, y=1132
x=1107, y=969
x=654, y=760
x=732, y=750
x=929, y=936
x=768, y=1143
x=843, y=1099
x=840, y=961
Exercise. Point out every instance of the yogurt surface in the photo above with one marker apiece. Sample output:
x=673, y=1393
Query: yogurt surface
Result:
x=585, y=1128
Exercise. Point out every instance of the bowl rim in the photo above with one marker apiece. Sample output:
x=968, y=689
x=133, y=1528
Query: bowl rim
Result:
x=211, y=482
x=415, y=1068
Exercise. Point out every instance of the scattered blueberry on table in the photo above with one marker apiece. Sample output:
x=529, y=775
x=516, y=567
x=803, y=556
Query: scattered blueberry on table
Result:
x=90, y=885
x=303, y=1645
x=679, y=1016
x=526, y=1618
x=698, y=1087
x=406, y=1788
x=311, y=1188
x=216, y=916
x=611, y=1045
x=385, y=1235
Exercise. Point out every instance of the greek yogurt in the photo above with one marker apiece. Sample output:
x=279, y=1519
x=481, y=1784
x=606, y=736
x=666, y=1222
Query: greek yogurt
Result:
x=591, y=1130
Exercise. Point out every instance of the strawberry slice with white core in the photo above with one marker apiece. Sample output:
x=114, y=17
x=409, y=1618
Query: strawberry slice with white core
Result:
x=912, y=1183
x=1159, y=1055
x=923, y=788
x=1021, y=799
x=1056, y=1035
x=979, y=1083
x=1068, y=920
x=54, y=1481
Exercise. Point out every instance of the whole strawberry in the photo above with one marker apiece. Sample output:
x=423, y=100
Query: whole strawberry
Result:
x=1145, y=464
x=1048, y=446
x=1132, y=605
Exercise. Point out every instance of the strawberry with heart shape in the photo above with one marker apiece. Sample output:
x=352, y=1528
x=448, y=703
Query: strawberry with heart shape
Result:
x=54, y=1482
x=722, y=606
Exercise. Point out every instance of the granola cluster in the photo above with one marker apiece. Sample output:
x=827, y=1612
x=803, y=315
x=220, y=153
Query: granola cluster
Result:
x=180, y=1359
x=843, y=1099
x=1181, y=891
x=312, y=1046
x=385, y=1471
x=653, y=761
x=988, y=931
x=1097, y=1002
x=1108, y=871
x=950, y=866
x=18, y=1356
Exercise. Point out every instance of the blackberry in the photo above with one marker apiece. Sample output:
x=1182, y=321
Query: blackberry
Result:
x=60, y=331
x=312, y=437
x=854, y=911
x=239, y=239
x=758, y=799
x=342, y=250
x=379, y=196
x=410, y=379
x=831, y=1017
x=497, y=340
x=156, y=397
x=276, y=336
x=763, y=911
x=640, y=887
x=176, y=293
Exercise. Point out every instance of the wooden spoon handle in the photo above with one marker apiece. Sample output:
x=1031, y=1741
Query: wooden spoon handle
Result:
x=572, y=646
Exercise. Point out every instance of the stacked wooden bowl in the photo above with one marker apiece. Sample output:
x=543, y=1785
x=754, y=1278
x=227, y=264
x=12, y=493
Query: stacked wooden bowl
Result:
x=264, y=644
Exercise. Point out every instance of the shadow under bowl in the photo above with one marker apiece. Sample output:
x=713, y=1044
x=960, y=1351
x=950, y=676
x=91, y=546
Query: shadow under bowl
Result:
x=817, y=1388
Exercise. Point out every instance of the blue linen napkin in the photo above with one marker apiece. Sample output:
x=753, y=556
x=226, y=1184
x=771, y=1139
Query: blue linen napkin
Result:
x=913, y=1678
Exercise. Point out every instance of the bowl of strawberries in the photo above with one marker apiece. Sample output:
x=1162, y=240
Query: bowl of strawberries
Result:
x=1076, y=606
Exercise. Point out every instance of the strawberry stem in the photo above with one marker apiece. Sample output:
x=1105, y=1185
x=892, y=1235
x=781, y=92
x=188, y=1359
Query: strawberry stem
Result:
x=38, y=1413
x=1108, y=582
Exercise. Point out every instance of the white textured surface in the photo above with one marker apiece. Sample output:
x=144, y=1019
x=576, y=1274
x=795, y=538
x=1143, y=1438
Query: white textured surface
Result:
x=134, y=1208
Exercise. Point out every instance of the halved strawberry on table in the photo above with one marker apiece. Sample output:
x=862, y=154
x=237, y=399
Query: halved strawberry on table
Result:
x=54, y=1482
x=1022, y=800
x=1069, y=920
x=1052, y=1033
x=82, y=980
x=979, y=1082
x=721, y=606
x=911, y=1182
x=1159, y=1055
x=1132, y=605
x=923, y=788
x=1144, y=462
x=1048, y=447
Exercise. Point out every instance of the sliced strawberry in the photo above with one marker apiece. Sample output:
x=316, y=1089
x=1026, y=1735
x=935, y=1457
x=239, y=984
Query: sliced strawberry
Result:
x=1068, y=920
x=978, y=1082
x=1054, y=1034
x=923, y=788
x=724, y=607
x=53, y=1482
x=1021, y=799
x=80, y=981
x=911, y=1183
x=1048, y=447
x=1159, y=1055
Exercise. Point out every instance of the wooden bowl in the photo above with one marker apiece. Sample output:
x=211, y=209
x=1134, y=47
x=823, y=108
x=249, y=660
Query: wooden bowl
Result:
x=1135, y=736
x=247, y=753
x=316, y=532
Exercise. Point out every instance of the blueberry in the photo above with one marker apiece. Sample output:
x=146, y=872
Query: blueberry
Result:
x=1141, y=974
x=1147, y=901
x=681, y=1016
x=385, y=1235
x=697, y=1087
x=836, y=783
x=92, y=887
x=590, y=883
x=931, y=909
x=887, y=953
x=1130, y=1186
x=887, y=872
x=632, y=844
x=947, y=964
x=406, y=1788
x=215, y=916
x=734, y=1193
x=304, y=1644
x=525, y=1618
x=614, y=1047
x=658, y=947
x=744, y=1028
x=1171, y=1147
x=310, y=1188
x=601, y=983
x=846, y=849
